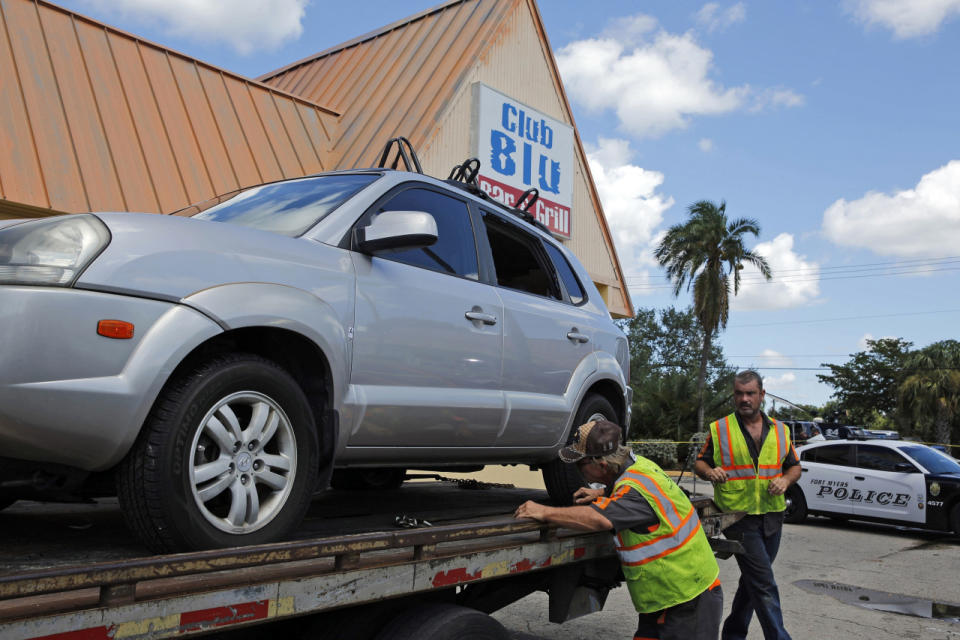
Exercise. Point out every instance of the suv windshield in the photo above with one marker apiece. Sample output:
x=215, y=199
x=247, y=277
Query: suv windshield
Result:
x=288, y=208
x=934, y=461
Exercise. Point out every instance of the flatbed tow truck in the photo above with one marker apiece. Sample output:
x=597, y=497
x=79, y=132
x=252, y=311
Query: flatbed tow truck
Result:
x=415, y=562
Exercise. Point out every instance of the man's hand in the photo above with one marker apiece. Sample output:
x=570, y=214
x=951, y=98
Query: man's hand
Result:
x=778, y=486
x=531, y=509
x=585, y=495
x=716, y=475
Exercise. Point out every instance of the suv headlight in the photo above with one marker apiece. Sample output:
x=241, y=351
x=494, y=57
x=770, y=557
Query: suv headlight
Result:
x=51, y=252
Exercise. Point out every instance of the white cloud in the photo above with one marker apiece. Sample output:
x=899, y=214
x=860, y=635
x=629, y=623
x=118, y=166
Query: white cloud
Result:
x=779, y=384
x=919, y=222
x=906, y=19
x=653, y=80
x=774, y=98
x=796, y=282
x=245, y=25
x=706, y=145
x=633, y=207
x=712, y=18
x=771, y=358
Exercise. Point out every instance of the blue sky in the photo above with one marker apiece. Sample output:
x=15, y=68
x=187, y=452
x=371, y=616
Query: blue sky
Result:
x=834, y=124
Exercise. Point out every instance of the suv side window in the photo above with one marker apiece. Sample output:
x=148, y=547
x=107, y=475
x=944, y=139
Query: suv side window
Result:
x=518, y=259
x=455, y=251
x=838, y=454
x=570, y=279
x=879, y=458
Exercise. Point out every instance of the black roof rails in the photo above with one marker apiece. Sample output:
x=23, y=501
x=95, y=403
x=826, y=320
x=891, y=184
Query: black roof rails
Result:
x=464, y=175
x=404, y=152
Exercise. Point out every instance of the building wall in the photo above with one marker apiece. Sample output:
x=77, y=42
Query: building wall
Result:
x=94, y=119
x=531, y=83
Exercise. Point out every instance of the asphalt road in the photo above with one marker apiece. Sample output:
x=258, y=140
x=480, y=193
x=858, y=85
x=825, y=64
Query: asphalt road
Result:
x=915, y=563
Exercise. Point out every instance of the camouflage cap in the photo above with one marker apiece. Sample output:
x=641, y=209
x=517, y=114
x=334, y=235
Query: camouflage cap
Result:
x=594, y=439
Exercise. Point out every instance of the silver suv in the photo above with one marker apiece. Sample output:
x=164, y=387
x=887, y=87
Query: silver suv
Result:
x=217, y=369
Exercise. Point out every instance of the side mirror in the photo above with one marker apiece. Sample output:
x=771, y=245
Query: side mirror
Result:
x=396, y=231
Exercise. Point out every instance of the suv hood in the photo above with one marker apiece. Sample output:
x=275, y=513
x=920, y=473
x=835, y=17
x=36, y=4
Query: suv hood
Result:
x=171, y=257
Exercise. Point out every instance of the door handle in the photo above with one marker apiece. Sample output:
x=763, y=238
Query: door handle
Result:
x=858, y=477
x=576, y=336
x=479, y=316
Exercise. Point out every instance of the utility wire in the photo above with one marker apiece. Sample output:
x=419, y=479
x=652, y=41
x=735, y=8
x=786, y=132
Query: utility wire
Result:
x=885, y=315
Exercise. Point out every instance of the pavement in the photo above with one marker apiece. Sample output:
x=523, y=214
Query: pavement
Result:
x=910, y=562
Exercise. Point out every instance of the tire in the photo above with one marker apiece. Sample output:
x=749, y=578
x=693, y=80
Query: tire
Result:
x=443, y=622
x=378, y=479
x=796, y=511
x=561, y=478
x=6, y=502
x=955, y=519
x=228, y=456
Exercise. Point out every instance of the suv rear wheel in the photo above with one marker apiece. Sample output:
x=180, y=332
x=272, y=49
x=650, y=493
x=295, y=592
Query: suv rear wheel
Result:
x=227, y=457
x=561, y=478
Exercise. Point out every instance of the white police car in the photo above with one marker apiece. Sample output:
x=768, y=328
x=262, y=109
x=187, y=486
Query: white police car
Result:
x=893, y=481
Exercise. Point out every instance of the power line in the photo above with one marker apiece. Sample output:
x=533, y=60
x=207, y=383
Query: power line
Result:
x=806, y=278
x=885, y=315
x=914, y=267
x=879, y=266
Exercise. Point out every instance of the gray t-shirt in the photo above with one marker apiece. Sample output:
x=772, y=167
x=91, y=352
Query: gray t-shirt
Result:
x=626, y=509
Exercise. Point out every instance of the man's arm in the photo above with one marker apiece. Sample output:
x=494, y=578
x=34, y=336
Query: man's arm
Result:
x=704, y=468
x=779, y=485
x=584, y=518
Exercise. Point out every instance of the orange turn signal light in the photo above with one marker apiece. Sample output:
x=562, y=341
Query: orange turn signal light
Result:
x=117, y=329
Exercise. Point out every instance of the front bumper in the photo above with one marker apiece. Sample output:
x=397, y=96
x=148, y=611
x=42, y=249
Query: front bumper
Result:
x=70, y=396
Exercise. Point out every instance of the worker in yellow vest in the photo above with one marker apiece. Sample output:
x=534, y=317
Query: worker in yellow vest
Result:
x=668, y=564
x=750, y=460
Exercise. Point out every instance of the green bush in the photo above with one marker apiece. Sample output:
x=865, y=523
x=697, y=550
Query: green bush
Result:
x=663, y=452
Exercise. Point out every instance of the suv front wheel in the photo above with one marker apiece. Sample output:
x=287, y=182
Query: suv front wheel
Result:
x=562, y=479
x=228, y=457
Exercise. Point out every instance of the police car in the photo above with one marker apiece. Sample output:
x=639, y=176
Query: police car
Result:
x=893, y=481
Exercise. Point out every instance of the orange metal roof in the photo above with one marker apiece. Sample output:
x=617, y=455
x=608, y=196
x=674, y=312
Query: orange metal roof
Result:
x=95, y=119
x=394, y=81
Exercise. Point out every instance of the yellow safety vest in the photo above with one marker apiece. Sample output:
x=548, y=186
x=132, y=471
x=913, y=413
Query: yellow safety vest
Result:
x=672, y=563
x=746, y=485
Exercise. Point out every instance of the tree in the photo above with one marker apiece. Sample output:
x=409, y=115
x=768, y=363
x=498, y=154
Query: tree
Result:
x=932, y=388
x=703, y=253
x=664, y=347
x=870, y=380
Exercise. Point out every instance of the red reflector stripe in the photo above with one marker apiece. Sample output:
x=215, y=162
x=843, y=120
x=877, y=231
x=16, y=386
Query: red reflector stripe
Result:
x=220, y=616
x=117, y=329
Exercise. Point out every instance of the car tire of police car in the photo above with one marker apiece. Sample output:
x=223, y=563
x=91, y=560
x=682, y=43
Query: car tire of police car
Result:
x=796, y=511
x=955, y=518
x=228, y=456
x=441, y=621
x=563, y=479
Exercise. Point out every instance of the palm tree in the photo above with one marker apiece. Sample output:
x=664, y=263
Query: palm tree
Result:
x=703, y=252
x=933, y=387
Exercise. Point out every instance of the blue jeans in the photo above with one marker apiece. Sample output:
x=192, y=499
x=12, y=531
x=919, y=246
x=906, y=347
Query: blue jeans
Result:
x=757, y=590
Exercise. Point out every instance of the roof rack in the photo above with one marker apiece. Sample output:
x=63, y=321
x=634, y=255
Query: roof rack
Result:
x=404, y=152
x=464, y=175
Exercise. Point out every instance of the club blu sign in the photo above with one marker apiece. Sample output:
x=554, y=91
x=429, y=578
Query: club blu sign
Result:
x=520, y=148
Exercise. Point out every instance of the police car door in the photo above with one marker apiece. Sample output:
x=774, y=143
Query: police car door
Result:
x=826, y=477
x=887, y=485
